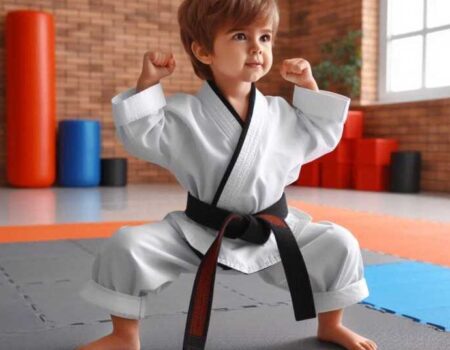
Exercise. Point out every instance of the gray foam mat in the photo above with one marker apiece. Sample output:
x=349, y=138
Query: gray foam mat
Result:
x=371, y=258
x=254, y=288
x=256, y=329
x=61, y=304
x=26, y=251
x=179, y=294
x=16, y=314
x=35, y=270
x=91, y=246
x=40, y=308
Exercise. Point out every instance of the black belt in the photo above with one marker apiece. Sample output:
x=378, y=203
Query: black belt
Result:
x=254, y=228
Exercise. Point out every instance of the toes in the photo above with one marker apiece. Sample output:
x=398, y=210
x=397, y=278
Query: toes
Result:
x=374, y=345
x=369, y=345
x=365, y=346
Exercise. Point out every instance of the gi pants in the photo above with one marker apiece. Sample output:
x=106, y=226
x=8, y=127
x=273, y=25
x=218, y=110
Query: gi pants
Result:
x=139, y=261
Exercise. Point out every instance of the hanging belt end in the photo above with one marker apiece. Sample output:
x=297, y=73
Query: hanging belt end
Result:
x=305, y=314
x=192, y=342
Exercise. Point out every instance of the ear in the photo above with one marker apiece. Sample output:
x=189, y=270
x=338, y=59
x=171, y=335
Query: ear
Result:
x=200, y=53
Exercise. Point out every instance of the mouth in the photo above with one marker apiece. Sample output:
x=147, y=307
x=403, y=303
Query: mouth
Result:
x=253, y=64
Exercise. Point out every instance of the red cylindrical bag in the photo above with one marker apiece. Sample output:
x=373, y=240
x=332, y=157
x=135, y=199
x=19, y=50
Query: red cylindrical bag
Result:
x=30, y=99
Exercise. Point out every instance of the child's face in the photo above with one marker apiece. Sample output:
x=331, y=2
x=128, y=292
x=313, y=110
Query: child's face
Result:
x=243, y=54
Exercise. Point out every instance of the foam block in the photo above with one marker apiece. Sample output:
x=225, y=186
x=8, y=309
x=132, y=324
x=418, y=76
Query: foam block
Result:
x=375, y=151
x=309, y=175
x=353, y=127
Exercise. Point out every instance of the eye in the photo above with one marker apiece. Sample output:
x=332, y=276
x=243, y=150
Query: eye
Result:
x=266, y=37
x=239, y=36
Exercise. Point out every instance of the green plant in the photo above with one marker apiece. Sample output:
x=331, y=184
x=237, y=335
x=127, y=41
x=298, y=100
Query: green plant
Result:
x=340, y=66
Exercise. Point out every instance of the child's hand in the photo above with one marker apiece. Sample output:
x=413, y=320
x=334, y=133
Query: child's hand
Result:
x=298, y=71
x=155, y=66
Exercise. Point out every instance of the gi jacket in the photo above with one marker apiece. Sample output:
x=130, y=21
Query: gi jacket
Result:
x=239, y=166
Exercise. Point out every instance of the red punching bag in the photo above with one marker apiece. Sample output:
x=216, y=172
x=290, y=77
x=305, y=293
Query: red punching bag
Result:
x=30, y=99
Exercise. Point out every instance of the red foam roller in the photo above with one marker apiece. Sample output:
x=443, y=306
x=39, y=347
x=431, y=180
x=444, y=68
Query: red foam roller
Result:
x=30, y=99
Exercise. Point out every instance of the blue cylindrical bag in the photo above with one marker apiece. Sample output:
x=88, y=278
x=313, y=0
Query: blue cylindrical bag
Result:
x=79, y=149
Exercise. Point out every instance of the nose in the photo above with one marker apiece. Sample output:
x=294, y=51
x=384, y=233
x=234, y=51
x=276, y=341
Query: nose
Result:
x=255, y=48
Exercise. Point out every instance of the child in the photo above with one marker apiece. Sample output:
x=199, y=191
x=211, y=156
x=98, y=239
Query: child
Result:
x=235, y=149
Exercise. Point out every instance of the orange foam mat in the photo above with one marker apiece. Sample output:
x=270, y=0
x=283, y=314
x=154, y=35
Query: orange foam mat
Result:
x=409, y=238
x=37, y=233
x=413, y=239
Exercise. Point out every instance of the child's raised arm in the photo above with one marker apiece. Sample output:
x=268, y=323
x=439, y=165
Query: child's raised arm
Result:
x=139, y=113
x=320, y=114
x=155, y=66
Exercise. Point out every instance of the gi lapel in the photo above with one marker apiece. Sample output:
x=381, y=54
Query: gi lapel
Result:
x=243, y=157
x=219, y=111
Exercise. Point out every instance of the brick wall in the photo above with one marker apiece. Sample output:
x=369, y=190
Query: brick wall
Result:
x=99, y=48
x=422, y=126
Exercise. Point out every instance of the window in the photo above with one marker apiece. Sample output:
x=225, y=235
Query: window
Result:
x=414, y=50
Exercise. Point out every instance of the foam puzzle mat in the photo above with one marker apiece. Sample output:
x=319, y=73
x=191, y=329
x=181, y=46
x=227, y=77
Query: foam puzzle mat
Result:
x=416, y=290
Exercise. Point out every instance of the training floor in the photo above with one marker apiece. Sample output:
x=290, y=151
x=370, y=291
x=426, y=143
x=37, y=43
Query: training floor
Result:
x=39, y=281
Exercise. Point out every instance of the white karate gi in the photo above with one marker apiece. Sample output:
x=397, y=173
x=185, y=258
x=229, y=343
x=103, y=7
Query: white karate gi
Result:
x=195, y=137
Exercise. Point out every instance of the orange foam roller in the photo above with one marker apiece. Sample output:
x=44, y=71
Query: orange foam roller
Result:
x=30, y=99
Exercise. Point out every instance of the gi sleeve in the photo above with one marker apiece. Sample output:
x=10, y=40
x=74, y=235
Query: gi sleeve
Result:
x=321, y=118
x=141, y=121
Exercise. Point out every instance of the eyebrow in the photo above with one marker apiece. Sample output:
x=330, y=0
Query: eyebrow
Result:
x=265, y=30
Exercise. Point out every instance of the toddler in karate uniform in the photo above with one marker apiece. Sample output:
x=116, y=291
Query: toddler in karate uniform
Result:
x=234, y=148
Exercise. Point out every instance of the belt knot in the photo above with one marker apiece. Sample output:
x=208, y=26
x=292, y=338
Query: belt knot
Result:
x=249, y=228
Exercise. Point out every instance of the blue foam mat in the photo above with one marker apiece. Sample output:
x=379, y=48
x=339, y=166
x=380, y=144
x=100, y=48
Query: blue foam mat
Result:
x=416, y=290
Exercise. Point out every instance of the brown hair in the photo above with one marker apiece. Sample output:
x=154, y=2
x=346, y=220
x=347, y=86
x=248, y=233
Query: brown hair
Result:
x=200, y=20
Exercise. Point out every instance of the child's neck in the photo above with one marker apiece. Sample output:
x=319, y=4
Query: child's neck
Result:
x=237, y=94
x=234, y=91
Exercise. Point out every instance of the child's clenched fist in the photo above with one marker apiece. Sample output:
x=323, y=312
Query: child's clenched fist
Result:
x=298, y=71
x=155, y=66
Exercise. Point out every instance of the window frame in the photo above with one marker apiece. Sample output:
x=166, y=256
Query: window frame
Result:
x=421, y=94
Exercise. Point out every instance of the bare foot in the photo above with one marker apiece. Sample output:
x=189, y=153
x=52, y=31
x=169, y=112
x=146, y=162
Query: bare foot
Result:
x=113, y=342
x=345, y=337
